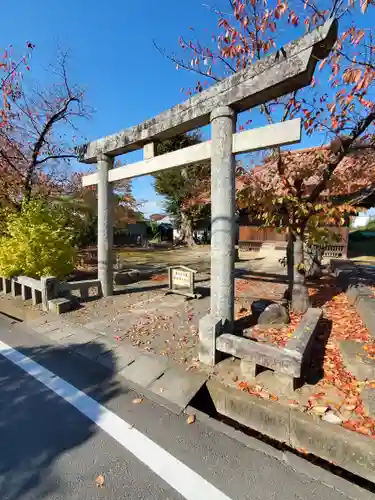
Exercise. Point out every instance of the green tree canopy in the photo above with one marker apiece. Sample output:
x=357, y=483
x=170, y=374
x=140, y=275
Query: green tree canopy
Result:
x=182, y=186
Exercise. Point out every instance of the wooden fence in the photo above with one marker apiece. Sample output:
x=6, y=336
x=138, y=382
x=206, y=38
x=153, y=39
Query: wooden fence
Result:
x=254, y=238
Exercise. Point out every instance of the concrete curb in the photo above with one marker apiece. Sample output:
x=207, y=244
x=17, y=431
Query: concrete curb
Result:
x=344, y=448
x=297, y=463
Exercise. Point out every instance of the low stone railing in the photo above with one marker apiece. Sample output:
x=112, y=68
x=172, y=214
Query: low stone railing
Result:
x=53, y=294
x=39, y=291
x=82, y=286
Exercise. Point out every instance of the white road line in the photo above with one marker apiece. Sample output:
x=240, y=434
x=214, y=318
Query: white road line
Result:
x=184, y=480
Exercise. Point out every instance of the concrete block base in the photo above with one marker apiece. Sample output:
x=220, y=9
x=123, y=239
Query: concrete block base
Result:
x=60, y=305
x=248, y=370
x=284, y=383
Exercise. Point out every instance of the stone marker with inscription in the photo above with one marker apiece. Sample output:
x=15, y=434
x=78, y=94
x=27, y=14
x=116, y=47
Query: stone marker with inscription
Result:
x=181, y=281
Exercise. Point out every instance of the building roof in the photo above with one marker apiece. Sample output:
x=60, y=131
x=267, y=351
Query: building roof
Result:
x=354, y=175
x=157, y=217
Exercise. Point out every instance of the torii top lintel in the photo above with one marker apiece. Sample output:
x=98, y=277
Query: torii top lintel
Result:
x=277, y=74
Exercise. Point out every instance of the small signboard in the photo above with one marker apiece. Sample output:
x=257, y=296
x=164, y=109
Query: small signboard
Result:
x=181, y=280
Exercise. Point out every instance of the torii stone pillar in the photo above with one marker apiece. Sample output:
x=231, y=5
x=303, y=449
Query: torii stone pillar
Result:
x=105, y=224
x=223, y=126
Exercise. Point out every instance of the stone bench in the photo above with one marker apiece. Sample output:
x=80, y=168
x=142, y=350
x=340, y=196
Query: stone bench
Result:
x=290, y=361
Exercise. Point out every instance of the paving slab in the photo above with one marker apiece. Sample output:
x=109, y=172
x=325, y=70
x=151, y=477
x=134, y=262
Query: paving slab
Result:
x=115, y=326
x=59, y=335
x=356, y=292
x=98, y=346
x=129, y=316
x=41, y=320
x=121, y=356
x=356, y=360
x=145, y=370
x=79, y=335
x=178, y=386
x=100, y=326
x=50, y=326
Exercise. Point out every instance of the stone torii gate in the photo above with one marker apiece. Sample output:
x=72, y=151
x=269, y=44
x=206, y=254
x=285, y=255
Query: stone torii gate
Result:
x=267, y=79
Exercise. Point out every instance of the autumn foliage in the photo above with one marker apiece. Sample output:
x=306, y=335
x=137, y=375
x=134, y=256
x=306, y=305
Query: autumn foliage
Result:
x=37, y=242
x=38, y=128
x=337, y=109
x=338, y=391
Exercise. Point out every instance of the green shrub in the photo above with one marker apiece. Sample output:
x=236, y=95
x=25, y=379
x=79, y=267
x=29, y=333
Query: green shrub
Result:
x=36, y=243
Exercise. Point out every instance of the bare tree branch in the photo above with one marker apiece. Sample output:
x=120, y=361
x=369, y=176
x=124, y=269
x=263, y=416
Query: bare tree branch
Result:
x=55, y=157
x=183, y=65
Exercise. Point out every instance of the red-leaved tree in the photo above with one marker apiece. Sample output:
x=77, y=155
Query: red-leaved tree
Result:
x=37, y=130
x=337, y=109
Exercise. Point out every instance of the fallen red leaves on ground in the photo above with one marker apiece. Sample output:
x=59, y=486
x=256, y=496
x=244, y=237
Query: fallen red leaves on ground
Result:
x=338, y=391
x=159, y=277
x=278, y=336
x=370, y=349
x=267, y=289
x=346, y=325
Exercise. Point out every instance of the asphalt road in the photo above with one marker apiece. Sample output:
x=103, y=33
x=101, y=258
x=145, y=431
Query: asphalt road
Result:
x=69, y=422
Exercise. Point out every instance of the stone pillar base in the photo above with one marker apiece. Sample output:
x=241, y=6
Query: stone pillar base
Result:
x=248, y=370
x=209, y=329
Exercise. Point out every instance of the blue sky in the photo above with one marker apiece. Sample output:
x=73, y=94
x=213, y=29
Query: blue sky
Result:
x=113, y=57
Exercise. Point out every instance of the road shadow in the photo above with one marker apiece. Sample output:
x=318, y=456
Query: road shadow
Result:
x=37, y=426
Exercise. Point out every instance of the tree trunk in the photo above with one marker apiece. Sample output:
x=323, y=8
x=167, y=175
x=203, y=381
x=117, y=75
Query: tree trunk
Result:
x=300, y=293
x=186, y=231
x=290, y=264
x=313, y=261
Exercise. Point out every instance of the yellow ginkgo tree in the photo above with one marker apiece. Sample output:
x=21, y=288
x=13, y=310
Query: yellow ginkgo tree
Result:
x=36, y=242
